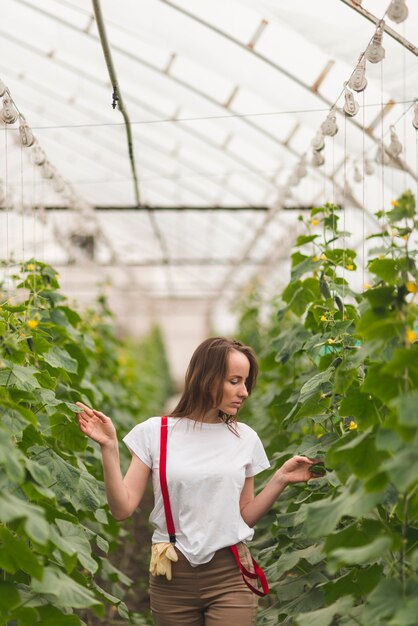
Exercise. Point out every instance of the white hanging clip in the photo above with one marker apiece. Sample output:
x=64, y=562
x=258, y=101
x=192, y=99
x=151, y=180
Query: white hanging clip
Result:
x=301, y=168
x=368, y=167
x=358, y=80
x=318, y=159
x=397, y=11
x=381, y=156
x=415, y=118
x=38, y=155
x=8, y=114
x=375, y=52
x=329, y=126
x=358, y=177
x=395, y=146
x=26, y=136
x=350, y=107
x=47, y=170
x=318, y=142
x=3, y=88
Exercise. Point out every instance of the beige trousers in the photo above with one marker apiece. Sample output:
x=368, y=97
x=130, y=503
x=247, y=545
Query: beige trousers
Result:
x=212, y=594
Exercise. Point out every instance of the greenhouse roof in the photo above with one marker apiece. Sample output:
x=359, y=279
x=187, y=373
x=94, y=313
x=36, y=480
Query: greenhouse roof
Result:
x=193, y=189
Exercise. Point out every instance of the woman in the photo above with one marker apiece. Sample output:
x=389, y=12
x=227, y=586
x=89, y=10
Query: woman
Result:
x=211, y=463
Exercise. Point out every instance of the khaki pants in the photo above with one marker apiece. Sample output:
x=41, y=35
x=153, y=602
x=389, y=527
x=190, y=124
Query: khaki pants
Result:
x=212, y=594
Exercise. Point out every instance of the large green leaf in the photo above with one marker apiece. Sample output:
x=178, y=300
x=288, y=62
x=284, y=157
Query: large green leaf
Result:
x=406, y=406
x=58, y=357
x=324, y=617
x=361, y=555
x=15, y=555
x=13, y=508
x=72, y=539
x=19, y=376
x=383, y=601
x=72, y=484
x=65, y=590
x=323, y=516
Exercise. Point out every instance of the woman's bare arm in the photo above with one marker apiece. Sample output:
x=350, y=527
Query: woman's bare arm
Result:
x=124, y=494
x=295, y=470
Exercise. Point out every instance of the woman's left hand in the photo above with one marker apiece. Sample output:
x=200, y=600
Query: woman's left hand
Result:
x=297, y=470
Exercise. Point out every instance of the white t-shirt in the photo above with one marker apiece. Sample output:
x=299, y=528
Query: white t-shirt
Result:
x=206, y=468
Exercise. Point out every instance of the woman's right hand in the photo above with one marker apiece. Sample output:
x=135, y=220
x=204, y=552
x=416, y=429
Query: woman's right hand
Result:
x=96, y=425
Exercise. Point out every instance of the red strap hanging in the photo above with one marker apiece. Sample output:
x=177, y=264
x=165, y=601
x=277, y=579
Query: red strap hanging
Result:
x=258, y=572
x=163, y=480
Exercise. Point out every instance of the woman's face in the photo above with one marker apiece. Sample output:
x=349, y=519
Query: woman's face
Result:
x=234, y=389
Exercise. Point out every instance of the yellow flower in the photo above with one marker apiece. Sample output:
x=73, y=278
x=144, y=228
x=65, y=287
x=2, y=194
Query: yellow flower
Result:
x=412, y=287
x=367, y=286
x=30, y=267
x=352, y=425
x=331, y=341
x=405, y=236
x=323, y=257
x=323, y=318
x=411, y=336
x=394, y=203
x=315, y=259
x=33, y=324
x=315, y=222
x=350, y=267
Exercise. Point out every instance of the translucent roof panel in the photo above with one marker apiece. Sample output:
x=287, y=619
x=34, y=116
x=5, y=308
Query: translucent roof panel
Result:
x=223, y=100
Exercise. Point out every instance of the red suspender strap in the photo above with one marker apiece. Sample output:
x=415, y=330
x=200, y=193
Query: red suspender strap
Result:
x=163, y=479
x=257, y=574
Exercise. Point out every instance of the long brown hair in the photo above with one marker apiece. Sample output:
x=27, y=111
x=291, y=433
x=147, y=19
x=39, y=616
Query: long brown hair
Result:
x=205, y=376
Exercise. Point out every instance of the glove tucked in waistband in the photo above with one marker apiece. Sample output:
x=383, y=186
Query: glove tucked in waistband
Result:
x=162, y=555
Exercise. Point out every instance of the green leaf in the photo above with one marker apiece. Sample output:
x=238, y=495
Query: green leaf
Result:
x=380, y=297
x=360, y=555
x=72, y=539
x=11, y=458
x=386, y=269
x=72, y=484
x=407, y=614
x=302, y=239
x=313, y=554
x=383, y=601
x=403, y=468
x=9, y=596
x=58, y=357
x=67, y=591
x=359, y=452
x=406, y=407
x=13, y=508
x=323, y=516
x=314, y=384
x=16, y=555
x=324, y=617
x=51, y=616
x=361, y=406
x=19, y=376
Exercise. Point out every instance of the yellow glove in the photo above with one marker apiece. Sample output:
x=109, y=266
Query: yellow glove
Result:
x=162, y=554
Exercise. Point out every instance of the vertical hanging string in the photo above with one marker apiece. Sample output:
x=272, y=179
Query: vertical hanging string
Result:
x=344, y=211
x=405, y=104
x=6, y=203
x=382, y=153
x=363, y=234
x=35, y=252
x=416, y=157
x=22, y=207
x=333, y=171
